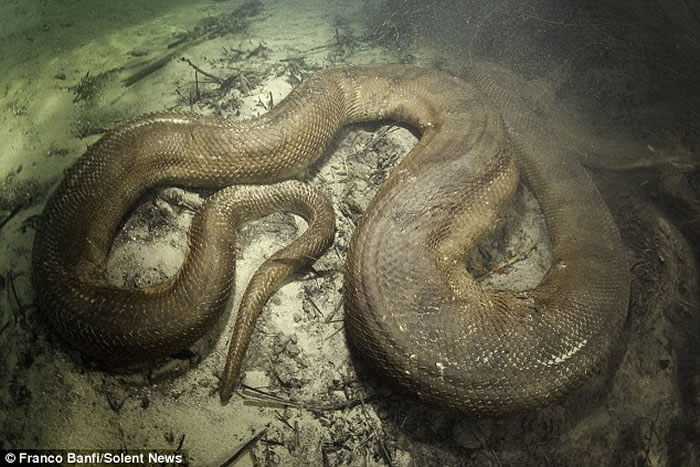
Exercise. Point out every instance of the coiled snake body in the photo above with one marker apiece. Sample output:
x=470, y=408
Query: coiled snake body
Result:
x=412, y=309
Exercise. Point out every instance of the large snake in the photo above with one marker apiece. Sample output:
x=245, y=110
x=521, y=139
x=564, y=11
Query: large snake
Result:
x=412, y=309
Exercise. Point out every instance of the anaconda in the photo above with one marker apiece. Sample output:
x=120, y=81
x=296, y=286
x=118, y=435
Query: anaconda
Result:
x=412, y=309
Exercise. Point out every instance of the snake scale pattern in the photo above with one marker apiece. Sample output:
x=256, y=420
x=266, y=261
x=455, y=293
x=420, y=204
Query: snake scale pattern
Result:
x=412, y=309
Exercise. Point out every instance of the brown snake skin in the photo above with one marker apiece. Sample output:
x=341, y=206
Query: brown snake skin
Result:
x=412, y=309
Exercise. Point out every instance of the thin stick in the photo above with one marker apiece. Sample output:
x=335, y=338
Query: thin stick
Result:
x=209, y=75
x=12, y=214
x=160, y=62
x=244, y=449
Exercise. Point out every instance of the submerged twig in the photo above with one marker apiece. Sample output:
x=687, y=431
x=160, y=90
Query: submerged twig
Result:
x=315, y=307
x=244, y=449
x=158, y=63
x=207, y=29
x=198, y=69
x=688, y=304
x=10, y=215
x=334, y=332
x=13, y=297
x=337, y=308
x=382, y=444
x=270, y=400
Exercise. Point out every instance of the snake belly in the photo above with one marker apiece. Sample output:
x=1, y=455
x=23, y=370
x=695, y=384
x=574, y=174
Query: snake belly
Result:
x=412, y=309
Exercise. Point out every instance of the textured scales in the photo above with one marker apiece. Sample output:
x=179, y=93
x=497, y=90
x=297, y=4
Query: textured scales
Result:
x=412, y=309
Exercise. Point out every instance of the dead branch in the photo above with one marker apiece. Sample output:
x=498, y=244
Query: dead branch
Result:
x=199, y=70
x=244, y=449
x=207, y=29
x=261, y=398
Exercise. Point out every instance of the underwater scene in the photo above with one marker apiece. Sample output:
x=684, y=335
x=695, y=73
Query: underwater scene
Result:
x=362, y=233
